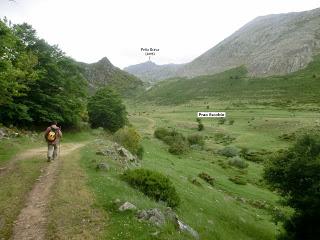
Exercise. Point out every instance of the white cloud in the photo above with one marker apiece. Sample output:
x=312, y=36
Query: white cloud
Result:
x=88, y=30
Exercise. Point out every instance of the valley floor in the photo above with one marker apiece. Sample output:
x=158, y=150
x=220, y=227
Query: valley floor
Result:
x=70, y=199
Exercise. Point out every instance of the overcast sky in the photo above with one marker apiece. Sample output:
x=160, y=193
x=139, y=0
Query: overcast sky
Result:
x=88, y=30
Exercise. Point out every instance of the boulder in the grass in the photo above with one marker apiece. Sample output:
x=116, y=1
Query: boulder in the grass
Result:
x=186, y=228
x=127, y=206
x=154, y=215
x=126, y=154
x=103, y=166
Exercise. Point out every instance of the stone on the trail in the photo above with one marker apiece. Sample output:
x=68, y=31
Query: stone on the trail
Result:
x=155, y=216
x=185, y=228
x=102, y=166
x=127, y=206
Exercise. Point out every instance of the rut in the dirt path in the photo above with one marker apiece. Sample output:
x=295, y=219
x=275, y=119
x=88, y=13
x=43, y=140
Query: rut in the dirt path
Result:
x=31, y=222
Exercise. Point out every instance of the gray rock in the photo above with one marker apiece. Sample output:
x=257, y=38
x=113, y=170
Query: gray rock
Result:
x=126, y=154
x=3, y=133
x=185, y=228
x=154, y=215
x=127, y=206
x=102, y=166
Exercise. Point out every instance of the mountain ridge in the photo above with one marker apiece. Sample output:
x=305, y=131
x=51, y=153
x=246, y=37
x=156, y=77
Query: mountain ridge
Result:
x=104, y=73
x=274, y=44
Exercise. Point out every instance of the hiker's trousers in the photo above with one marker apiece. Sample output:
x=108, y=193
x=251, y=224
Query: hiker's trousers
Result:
x=52, y=151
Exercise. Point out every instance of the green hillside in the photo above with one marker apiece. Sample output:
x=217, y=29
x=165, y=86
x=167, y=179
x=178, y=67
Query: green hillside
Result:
x=300, y=87
x=103, y=73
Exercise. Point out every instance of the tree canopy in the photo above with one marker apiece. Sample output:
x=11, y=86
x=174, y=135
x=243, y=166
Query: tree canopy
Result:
x=106, y=110
x=38, y=82
x=295, y=173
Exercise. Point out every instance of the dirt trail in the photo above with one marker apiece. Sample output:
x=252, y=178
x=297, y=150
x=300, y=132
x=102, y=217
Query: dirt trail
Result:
x=31, y=222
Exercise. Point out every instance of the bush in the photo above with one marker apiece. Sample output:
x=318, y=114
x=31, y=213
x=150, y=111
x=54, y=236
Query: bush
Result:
x=222, y=120
x=196, y=139
x=238, y=162
x=105, y=109
x=200, y=127
x=179, y=146
x=206, y=177
x=153, y=184
x=238, y=180
x=130, y=139
x=231, y=121
x=161, y=133
x=194, y=181
x=177, y=142
x=223, y=138
x=229, y=151
x=140, y=152
x=295, y=174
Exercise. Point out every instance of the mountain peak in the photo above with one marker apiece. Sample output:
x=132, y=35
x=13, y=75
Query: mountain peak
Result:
x=104, y=61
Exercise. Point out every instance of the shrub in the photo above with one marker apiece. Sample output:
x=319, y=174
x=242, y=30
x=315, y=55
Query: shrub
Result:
x=130, y=139
x=140, y=152
x=177, y=142
x=223, y=138
x=200, y=127
x=238, y=162
x=105, y=109
x=295, y=175
x=196, y=139
x=194, y=181
x=231, y=121
x=229, y=151
x=238, y=180
x=179, y=146
x=222, y=120
x=153, y=184
x=161, y=133
x=206, y=177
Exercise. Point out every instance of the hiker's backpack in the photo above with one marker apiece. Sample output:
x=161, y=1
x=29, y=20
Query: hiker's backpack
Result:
x=52, y=134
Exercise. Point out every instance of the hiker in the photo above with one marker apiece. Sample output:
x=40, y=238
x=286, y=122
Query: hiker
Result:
x=53, y=135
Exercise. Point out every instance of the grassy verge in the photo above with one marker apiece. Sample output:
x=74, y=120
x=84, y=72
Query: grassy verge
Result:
x=10, y=147
x=108, y=187
x=13, y=191
x=72, y=214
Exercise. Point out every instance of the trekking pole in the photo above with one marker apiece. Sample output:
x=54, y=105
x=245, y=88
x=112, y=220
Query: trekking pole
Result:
x=60, y=143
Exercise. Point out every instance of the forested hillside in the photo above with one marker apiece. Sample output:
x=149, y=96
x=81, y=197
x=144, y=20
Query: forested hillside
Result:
x=38, y=81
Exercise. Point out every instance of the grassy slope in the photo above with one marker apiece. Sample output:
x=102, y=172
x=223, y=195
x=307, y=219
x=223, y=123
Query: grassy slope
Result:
x=302, y=86
x=214, y=212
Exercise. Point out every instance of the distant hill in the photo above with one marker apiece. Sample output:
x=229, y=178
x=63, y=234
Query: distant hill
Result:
x=151, y=72
x=301, y=87
x=103, y=73
x=270, y=45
